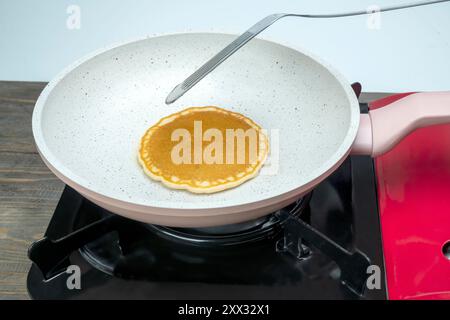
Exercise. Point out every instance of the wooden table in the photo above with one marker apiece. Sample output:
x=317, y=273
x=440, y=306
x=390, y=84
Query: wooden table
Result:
x=29, y=192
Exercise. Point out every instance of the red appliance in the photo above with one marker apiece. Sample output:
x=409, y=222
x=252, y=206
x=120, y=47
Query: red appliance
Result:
x=413, y=184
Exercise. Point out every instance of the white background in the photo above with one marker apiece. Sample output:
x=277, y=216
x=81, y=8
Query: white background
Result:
x=410, y=51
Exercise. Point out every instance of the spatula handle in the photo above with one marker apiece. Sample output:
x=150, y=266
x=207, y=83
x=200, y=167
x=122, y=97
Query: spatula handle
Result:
x=253, y=31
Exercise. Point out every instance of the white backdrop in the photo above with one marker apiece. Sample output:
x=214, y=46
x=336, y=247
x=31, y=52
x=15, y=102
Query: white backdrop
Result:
x=405, y=50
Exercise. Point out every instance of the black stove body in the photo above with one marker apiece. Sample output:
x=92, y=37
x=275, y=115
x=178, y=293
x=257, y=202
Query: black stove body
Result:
x=320, y=247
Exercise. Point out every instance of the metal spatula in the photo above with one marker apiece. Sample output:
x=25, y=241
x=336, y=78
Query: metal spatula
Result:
x=215, y=61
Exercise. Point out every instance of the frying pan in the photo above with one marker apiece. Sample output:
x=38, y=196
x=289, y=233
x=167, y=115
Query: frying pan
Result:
x=88, y=121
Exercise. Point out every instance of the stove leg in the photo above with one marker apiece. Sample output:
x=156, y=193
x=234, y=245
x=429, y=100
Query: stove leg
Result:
x=353, y=265
x=52, y=255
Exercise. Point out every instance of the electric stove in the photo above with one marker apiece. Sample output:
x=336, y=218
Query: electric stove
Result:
x=374, y=229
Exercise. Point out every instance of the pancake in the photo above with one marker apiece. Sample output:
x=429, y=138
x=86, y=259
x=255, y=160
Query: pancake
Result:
x=203, y=150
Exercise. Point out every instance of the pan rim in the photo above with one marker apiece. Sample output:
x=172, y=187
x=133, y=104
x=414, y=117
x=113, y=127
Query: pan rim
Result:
x=77, y=182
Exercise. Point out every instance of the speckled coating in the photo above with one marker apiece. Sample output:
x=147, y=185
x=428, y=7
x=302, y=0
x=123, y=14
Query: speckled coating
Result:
x=88, y=121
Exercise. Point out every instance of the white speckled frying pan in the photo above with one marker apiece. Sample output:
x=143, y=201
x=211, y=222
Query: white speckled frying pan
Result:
x=88, y=121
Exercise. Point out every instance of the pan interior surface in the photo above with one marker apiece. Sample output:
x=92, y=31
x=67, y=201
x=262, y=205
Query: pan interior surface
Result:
x=88, y=122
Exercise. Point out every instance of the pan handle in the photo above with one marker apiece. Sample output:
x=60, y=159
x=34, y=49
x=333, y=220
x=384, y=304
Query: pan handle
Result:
x=383, y=128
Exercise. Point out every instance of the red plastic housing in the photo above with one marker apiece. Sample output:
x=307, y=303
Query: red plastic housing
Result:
x=413, y=185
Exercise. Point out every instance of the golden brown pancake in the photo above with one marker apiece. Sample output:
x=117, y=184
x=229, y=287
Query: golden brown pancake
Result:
x=203, y=150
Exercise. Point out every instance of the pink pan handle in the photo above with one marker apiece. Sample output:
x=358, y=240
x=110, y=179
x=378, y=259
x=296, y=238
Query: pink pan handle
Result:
x=381, y=129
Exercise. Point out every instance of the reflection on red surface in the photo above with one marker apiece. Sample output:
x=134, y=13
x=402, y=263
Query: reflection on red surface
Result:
x=414, y=203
